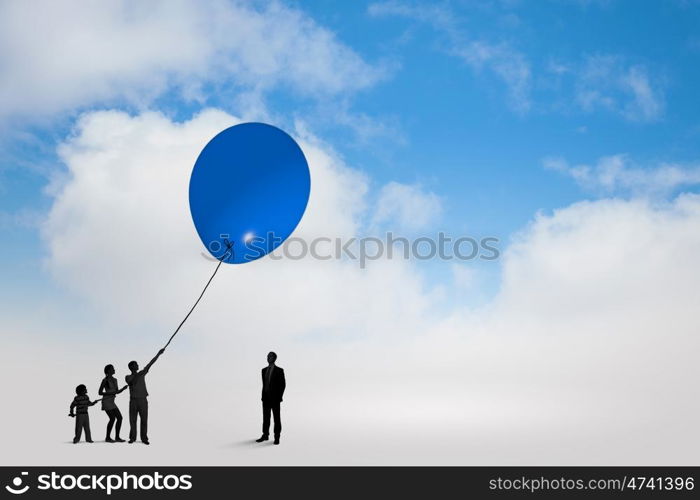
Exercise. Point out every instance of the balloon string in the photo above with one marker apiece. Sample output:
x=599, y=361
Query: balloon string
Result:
x=221, y=261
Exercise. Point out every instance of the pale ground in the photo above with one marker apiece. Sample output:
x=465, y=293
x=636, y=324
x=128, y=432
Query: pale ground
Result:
x=371, y=426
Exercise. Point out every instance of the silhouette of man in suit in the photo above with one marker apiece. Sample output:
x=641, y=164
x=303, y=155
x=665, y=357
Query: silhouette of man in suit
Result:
x=138, y=403
x=273, y=385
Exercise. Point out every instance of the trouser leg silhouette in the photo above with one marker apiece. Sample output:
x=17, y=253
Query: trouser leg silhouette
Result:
x=82, y=422
x=78, y=427
x=133, y=413
x=86, y=426
x=274, y=408
x=144, y=420
x=138, y=408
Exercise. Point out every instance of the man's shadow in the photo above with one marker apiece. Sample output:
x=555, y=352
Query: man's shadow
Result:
x=246, y=443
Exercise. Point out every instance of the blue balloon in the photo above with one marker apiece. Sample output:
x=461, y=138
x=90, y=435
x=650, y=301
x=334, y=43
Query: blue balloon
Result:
x=248, y=191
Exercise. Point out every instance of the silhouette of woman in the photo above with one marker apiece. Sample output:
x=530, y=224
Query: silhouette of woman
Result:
x=109, y=390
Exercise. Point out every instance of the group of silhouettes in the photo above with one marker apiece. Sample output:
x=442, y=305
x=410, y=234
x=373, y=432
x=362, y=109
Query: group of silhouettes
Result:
x=273, y=386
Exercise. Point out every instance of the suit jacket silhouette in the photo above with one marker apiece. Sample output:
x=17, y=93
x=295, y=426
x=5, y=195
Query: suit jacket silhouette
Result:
x=277, y=385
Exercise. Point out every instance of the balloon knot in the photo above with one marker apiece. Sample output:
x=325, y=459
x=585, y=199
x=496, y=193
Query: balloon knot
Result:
x=229, y=250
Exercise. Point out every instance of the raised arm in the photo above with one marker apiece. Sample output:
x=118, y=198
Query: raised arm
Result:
x=150, y=363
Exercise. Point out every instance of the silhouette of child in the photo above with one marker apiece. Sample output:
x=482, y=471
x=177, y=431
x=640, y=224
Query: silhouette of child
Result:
x=81, y=402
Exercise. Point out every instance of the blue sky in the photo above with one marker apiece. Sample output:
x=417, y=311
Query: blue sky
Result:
x=472, y=133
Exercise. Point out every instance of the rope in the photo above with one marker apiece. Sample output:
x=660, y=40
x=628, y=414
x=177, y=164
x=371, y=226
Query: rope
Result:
x=226, y=255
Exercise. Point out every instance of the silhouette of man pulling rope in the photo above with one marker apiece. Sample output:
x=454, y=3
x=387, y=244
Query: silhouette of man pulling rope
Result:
x=138, y=404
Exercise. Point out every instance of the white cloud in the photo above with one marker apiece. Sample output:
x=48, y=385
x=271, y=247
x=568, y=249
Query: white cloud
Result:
x=594, y=323
x=617, y=173
x=498, y=58
x=56, y=57
x=613, y=262
x=134, y=171
x=605, y=81
x=404, y=207
x=509, y=65
x=437, y=15
x=597, y=82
